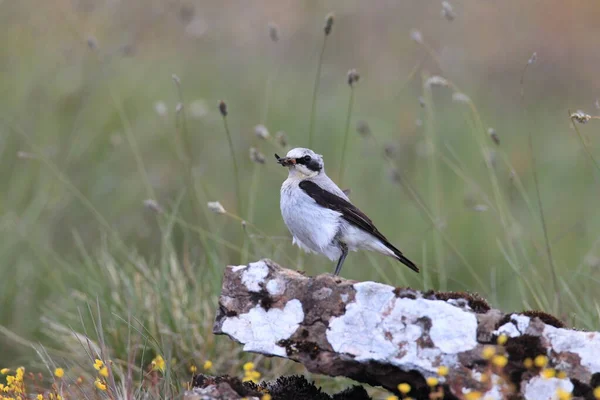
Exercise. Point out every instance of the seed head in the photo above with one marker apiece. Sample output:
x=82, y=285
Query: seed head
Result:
x=256, y=156
x=161, y=108
x=448, y=11
x=416, y=35
x=92, y=43
x=153, y=205
x=198, y=109
x=216, y=207
x=422, y=101
x=363, y=128
x=176, y=79
x=532, y=59
x=223, y=108
x=436, y=80
x=25, y=155
x=460, y=98
x=281, y=138
x=178, y=108
x=353, y=77
x=273, y=32
x=261, y=131
x=494, y=136
x=581, y=117
x=328, y=24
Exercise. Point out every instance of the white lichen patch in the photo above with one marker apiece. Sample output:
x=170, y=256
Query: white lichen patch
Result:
x=275, y=287
x=584, y=344
x=237, y=268
x=260, y=330
x=539, y=388
x=379, y=326
x=254, y=275
x=517, y=326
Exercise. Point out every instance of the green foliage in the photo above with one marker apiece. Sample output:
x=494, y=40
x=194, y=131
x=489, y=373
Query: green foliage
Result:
x=88, y=134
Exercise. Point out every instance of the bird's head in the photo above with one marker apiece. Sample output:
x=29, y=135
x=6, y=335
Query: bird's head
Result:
x=304, y=162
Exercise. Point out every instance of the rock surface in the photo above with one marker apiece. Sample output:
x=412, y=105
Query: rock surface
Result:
x=381, y=335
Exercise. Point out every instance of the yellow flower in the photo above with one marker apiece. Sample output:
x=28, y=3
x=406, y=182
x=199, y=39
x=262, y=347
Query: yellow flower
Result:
x=193, y=369
x=488, y=352
x=103, y=372
x=597, y=392
x=158, y=363
x=443, y=370
x=432, y=381
x=266, y=397
x=39, y=397
x=100, y=384
x=548, y=373
x=10, y=379
x=500, y=360
x=540, y=361
x=562, y=394
x=59, y=372
x=502, y=339
x=391, y=398
x=528, y=363
x=208, y=365
x=561, y=375
x=404, y=388
x=474, y=395
x=98, y=364
x=4, y=371
x=249, y=366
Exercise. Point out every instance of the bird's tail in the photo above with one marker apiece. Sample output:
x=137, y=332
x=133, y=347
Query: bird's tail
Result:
x=400, y=257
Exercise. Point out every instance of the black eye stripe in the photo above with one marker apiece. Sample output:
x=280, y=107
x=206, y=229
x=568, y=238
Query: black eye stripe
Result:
x=311, y=163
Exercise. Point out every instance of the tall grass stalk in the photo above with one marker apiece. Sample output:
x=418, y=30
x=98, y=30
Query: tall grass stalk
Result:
x=346, y=135
x=557, y=303
x=434, y=185
x=313, y=107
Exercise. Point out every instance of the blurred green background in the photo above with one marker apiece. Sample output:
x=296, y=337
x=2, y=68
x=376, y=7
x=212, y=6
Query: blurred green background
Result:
x=89, y=132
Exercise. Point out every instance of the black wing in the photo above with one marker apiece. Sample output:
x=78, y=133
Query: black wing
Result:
x=351, y=214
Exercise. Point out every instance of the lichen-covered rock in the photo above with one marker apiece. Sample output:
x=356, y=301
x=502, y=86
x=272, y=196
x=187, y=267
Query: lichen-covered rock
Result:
x=206, y=387
x=381, y=335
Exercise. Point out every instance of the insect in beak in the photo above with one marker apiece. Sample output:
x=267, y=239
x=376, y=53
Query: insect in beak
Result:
x=285, y=161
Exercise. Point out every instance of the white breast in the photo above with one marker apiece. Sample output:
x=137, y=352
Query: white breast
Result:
x=313, y=227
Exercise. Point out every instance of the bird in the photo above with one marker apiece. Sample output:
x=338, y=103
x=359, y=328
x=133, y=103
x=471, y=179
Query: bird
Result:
x=320, y=216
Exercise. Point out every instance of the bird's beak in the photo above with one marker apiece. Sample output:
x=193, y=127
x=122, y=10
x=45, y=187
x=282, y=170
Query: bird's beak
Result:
x=285, y=161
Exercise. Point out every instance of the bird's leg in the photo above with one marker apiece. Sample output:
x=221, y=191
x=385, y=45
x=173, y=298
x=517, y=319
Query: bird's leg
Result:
x=340, y=262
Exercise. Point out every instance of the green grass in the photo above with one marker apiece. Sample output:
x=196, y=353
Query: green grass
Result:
x=82, y=148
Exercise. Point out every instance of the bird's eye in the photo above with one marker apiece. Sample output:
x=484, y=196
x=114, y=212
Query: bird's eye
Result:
x=306, y=158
